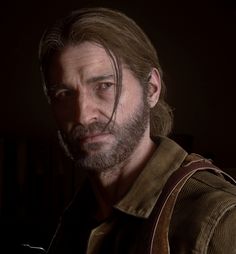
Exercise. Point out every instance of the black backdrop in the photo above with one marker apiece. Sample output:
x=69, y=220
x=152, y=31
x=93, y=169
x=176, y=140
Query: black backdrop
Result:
x=196, y=47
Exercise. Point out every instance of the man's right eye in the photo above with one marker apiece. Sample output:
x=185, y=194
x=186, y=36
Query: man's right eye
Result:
x=61, y=94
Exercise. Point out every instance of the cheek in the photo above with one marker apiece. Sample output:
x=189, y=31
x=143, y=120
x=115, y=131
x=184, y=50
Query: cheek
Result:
x=126, y=109
x=130, y=100
x=63, y=115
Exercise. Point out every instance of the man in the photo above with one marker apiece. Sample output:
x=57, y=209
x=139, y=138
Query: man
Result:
x=104, y=83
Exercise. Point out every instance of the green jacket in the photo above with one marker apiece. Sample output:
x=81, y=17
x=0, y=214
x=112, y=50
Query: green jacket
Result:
x=203, y=221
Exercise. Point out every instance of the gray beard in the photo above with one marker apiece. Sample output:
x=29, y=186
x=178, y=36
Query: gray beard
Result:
x=127, y=137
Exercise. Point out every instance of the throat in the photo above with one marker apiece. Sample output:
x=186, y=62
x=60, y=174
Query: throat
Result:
x=112, y=185
x=107, y=185
x=109, y=188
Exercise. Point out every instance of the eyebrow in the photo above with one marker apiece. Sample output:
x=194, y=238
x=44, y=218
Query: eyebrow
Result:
x=52, y=87
x=99, y=78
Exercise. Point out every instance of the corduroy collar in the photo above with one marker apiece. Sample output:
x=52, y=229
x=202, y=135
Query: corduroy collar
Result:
x=141, y=198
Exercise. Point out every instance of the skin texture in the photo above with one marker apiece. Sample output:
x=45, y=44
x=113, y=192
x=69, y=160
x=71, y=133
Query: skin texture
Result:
x=82, y=88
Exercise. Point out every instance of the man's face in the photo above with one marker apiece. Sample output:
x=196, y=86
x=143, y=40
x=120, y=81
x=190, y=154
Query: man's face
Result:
x=82, y=87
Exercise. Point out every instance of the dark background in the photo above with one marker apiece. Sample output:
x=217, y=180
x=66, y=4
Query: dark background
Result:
x=196, y=46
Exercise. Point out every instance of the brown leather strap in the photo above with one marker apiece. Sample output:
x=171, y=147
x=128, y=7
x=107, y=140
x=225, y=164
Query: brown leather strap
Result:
x=163, y=209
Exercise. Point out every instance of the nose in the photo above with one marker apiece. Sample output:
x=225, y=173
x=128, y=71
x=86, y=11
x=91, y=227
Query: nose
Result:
x=86, y=109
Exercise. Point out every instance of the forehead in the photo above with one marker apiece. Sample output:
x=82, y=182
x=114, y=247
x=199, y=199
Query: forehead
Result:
x=83, y=58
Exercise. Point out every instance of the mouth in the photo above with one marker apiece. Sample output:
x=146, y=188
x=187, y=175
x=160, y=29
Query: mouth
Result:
x=92, y=138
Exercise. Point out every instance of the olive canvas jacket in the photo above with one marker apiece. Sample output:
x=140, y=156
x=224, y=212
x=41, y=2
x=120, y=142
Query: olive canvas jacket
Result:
x=203, y=220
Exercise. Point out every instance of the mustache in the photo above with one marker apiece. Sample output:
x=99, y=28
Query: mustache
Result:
x=81, y=131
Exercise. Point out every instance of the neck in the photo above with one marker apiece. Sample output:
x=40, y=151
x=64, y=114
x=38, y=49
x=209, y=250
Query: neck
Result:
x=110, y=186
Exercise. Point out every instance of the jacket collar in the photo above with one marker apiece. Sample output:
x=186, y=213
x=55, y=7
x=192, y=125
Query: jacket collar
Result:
x=142, y=196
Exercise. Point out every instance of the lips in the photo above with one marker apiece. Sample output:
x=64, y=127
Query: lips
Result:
x=93, y=137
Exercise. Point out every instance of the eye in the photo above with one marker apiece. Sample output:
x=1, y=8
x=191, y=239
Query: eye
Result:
x=104, y=86
x=61, y=94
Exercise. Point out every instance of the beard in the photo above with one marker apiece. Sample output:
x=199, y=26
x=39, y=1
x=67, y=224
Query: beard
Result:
x=94, y=156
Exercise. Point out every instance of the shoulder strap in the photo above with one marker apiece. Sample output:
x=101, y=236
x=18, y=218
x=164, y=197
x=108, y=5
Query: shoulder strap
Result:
x=158, y=242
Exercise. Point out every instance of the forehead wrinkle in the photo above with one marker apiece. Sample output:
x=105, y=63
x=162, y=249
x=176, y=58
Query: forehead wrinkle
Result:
x=82, y=63
x=95, y=71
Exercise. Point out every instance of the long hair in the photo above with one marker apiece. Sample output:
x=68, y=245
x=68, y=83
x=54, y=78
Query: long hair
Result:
x=124, y=42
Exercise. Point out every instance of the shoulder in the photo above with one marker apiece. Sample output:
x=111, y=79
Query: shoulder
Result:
x=206, y=207
x=205, y=186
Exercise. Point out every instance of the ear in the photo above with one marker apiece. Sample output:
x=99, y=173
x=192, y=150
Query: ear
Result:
x=154, y=87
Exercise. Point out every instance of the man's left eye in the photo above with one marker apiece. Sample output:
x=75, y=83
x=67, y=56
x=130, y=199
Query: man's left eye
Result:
x=104, y=86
